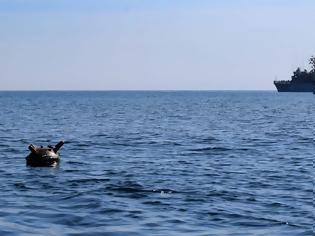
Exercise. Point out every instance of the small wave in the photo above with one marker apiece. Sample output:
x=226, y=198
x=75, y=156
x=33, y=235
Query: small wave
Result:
x=156, y=203
x=248, y=220
x=172, y=143
x=89, y=180
x=209, y=149
x=99, y=135
x=122, y=144
x=71, y=196
x=137, y=188
x=76, y=163
x=129, y=187
x=164, y=190
x=216, y=149
x=11, y=150
x=84, y=145
x=109, y=211
x=4, y=145
x=208, y=140
x=21, y=186
x=126, y=189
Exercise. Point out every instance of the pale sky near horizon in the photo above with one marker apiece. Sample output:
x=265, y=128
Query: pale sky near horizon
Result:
x=153, y=45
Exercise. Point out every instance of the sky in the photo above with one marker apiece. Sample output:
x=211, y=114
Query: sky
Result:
x=153, y=45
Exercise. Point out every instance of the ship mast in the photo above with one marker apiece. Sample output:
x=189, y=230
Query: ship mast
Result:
x=312, y=63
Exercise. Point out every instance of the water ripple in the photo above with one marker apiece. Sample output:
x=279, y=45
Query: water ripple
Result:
x=158, y=163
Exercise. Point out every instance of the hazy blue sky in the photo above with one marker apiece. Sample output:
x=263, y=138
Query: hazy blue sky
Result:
x=153, y=44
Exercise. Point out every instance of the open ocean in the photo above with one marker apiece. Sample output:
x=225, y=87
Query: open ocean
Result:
x=158, y=163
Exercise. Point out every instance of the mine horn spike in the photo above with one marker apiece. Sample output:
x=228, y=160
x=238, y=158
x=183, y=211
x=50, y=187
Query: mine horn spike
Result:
x=32, y=148
x=58, y=146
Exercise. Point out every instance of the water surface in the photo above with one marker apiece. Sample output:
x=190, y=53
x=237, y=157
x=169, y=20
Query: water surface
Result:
x=158, y=163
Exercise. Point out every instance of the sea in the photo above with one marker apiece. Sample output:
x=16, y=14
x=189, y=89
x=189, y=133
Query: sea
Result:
x=135, y=163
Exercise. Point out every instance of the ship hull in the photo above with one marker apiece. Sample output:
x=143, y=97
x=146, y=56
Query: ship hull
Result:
x=295, y=87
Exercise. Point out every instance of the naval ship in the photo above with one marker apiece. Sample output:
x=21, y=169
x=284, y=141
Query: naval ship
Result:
x=301, y=81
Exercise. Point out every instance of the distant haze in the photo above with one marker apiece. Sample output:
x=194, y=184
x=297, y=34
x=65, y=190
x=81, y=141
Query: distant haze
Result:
x=153, y=45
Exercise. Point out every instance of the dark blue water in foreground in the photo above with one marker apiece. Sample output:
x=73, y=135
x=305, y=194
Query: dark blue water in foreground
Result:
x=158, y=163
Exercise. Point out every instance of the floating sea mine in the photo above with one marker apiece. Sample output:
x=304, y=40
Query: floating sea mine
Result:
x=44, y=156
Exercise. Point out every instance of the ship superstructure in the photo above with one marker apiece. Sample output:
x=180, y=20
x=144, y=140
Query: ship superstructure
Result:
x=301, y=81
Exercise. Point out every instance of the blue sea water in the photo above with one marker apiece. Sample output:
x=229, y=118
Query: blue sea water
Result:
x=158, y=163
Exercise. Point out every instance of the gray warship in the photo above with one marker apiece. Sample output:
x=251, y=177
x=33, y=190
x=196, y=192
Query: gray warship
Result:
x=301, y=80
